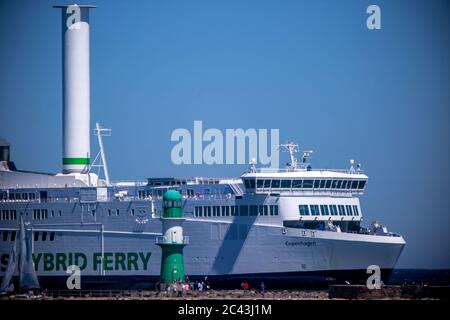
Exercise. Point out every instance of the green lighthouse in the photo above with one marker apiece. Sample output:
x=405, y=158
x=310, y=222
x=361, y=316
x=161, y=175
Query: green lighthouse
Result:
x=172, y=241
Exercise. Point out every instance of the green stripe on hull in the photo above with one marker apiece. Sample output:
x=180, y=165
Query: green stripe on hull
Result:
x=80, y=161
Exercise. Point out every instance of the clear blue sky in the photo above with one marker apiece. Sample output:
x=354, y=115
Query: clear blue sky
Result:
x=310, y=68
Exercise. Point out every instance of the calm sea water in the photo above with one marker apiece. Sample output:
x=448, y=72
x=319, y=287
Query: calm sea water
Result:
x=420, y=276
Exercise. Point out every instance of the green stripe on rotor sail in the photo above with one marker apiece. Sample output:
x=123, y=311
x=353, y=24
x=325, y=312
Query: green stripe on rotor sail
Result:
x=81, y=161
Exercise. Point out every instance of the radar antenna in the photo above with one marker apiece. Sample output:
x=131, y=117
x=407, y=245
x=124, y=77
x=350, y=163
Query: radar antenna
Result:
x=100, y=132
x=305, y=159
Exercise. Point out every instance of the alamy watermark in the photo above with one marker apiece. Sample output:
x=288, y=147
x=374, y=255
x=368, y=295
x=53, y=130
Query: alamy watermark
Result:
x=234, y=146
x=74, y=280
x=373, y=21
x=374, y=280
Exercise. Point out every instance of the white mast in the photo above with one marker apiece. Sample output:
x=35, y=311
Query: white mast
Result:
x=292, y=148
x=99, y=131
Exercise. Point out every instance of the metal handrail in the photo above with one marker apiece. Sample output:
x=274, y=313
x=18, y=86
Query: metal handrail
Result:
x=276, y=170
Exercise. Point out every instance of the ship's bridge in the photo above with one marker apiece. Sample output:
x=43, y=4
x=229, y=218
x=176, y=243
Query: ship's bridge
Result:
x=305, y=181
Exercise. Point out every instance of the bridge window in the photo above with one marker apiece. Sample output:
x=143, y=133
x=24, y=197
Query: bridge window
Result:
x=297, y=183
x=304, y=210
x=324, y=210
x=339, y=184
x=349, y=210
x=355, y=211
x=341, y=210
x=259, y=183
x=349, y=184
x=267, y=183
x=314, y=210
x=316, y=184
x=361, y=184
x=307, y=184
x=286, y=184
x=334, y=184
x=354, y=184
x=234, y=211
x=328, y=184
x=243, y=210
x=333, y=210
x=275, y=184
x=322, y=184
x=344, y=184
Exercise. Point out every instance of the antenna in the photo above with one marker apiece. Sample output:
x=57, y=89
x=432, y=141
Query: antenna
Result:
x=292, y=148
x=253, y=165
x=352, y=166
x=100, y=132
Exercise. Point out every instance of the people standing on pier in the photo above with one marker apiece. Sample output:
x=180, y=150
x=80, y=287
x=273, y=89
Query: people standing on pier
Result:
x=263, y=288
x=245, y=286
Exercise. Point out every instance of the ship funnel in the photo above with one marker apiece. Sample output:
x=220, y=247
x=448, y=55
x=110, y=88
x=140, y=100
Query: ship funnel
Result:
x=76, y=87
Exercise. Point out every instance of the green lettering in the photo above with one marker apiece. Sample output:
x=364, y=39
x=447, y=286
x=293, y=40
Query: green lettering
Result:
x=120, y=259
x=145, y=259
x=36, y=259
x=97, y=260
x=79, y=255
x=61, y=261
x=107, y=260
x=132, y=260
x=48, y=262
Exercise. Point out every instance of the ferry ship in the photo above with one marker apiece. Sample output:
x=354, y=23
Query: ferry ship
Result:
x=285, y=227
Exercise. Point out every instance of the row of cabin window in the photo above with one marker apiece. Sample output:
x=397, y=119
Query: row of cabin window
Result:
x=17, y=196
x=243, y=210
x=42, y=214
x=38, y=214
x=5, y=235
x=326, y=210
x=304, y=184
x=8, y=215
x=116, y=212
